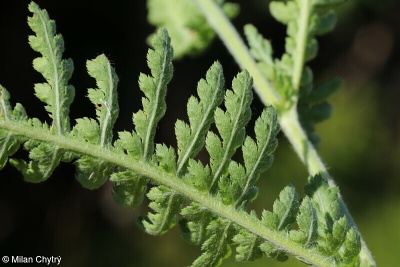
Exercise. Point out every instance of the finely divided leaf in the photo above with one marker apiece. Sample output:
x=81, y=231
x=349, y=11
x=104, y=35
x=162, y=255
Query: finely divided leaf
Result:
x=284, y=12
x=236, y=187
x=56, y=93
x=216, y=248
x=257, y=155
x=130, y=144
x=348, y=254
x=45, y=158
x=301, y=47
x=308, y=224
x=194, y=226
x=330, y=243
x=9, y=143
x=166, y=204
x=284, y=210
x=154, y=87
x=129, y=189
x=146, y=120
x=273, y=251
x=199, y=175
x=93, y=173
x=191, y=137
x=289, y=75
x=190, y=140
x=230, y=125
x=248, y=248
x=197, y=217
x=105, y=96
x=336, y=238
x=324, y=91
x=321, y=229
x=260, y=48
x=324, y=199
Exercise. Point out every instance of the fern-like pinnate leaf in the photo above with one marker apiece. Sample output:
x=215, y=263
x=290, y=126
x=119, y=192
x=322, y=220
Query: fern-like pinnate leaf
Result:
x=105, y=97
x=155, y=88
x=257, y=154
x=210, y=200
x=186, y=25
x=308, y=224
x=248, y=248
x=200, y=111
x=284, y=210
x=140, y=144
x=9, y=142
x=288, y=83
x=190, y=140
x=289, y=75
x=217, y=246
x=238, y=187
x=56, y=93
x=230, y=125
x=235, y=182
x=166, y=203
x=261, y=49
x=93, y=173
x=336, y=238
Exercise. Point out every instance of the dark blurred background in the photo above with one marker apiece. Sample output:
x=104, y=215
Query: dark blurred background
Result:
x=360, y=143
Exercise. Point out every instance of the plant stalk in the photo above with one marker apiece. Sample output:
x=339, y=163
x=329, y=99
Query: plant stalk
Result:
x=288, y=118
x=228, y=34
x=154, y=173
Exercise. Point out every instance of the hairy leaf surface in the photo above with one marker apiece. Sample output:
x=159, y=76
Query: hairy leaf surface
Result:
x=146, y=120
x=93, y=173
x=210, y=200
x=56, y=93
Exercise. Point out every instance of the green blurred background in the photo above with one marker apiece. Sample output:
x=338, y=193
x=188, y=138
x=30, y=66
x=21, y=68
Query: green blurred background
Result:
x=360, y=143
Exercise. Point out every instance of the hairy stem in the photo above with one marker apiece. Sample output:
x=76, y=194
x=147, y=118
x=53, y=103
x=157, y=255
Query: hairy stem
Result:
x=221, y=24
x=143, y=168
x=308, y=155
x=302, y=39
x=288, y=118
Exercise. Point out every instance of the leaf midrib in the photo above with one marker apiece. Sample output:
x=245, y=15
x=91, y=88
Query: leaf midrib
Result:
x=146, y=169
x=253, y=170
x=199, y=129
x=106, y=135
x=227, y=149
x=55, y=85
x=150, y=126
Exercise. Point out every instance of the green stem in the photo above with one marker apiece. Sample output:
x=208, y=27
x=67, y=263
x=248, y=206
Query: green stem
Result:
x=308, y=155
x=288, y=118
x=290, y=125
x=146, y=169
x=228, y=34
x=301, y=43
